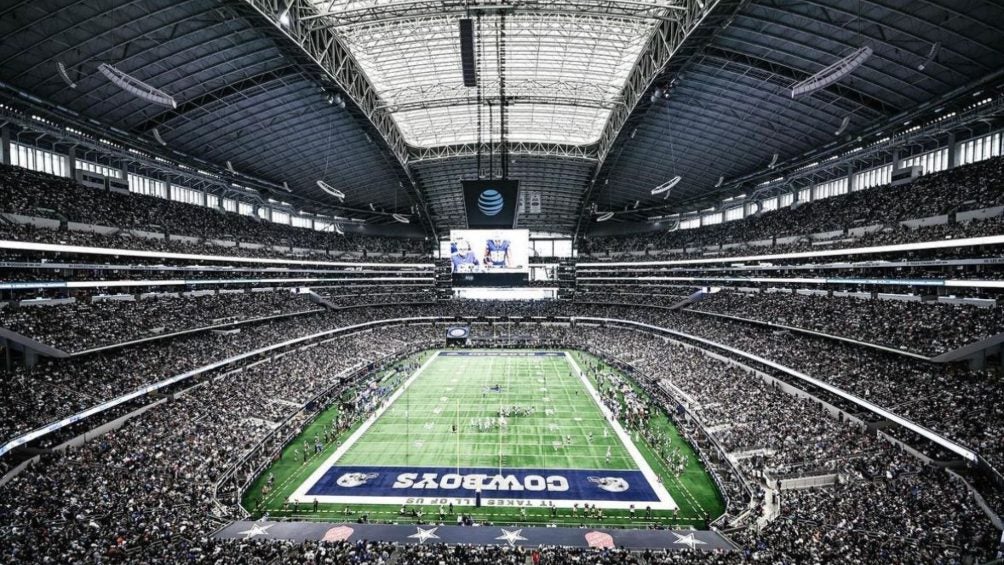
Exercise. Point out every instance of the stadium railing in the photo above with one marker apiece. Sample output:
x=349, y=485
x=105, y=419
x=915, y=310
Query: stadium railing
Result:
x=116, y=252
x=61, y=354
x=895, y=248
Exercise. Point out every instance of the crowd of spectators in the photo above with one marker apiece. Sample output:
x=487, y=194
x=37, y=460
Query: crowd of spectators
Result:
x=29, y=193
x=930, y=394
x=972, y=187
x=961, y=404
x=887, y=512
x=56, y=388
x=440, y=554
x=793, y=436
x=617, y=294
x=927, y=328
x=31, y=269
x=883, y=495
x=86, y=324
x=768, y=431
x=146, y=492
x=351, y=297
x=126, y=240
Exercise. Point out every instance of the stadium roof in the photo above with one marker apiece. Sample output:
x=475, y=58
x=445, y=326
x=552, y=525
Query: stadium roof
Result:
x=261, y=83
x=565, y=64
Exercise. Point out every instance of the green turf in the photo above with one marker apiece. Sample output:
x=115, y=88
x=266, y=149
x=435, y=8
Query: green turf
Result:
x=455, y=391
x=527, y=442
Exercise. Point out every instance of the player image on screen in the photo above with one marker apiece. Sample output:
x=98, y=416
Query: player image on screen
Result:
x=463, y=257
x=497, y=252
x=488, y=257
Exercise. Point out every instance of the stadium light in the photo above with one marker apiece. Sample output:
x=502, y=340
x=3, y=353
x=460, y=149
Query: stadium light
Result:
x=930, y=56
x=401, y=218
x=832, y=73
x=773, y=161
x=843, y=125
x=666, y=186
x=721, y=179
x=284, y=15
x=136, y=87
x=64, y=75
x=156, y=135
x=330, y=190
x=604, y=217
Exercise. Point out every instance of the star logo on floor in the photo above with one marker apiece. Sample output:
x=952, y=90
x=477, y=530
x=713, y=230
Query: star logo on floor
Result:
x=423, y=535
x=256, y=530
x=511, y=537
x=688, y=540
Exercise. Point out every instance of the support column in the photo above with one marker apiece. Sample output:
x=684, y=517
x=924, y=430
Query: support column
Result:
x=30, y=358
x=952, y=151
x=978, y=361
x=71, y=161
x=5, y=135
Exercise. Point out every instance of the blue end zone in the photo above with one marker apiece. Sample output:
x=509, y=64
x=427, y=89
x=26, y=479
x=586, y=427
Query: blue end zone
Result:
x=548, y=484
x=501, y=354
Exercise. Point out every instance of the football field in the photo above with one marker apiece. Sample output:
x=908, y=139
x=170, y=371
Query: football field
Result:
x=521, y=432
x=511, y=428
x=468, y=392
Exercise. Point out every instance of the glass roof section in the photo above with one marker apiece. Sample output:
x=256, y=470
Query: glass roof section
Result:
x=566, y=63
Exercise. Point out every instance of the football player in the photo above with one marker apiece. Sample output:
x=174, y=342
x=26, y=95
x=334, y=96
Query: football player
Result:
x=497, y=252
x=464, y=259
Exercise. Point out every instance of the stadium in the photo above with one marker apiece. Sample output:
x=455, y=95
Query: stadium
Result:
x=509, y=282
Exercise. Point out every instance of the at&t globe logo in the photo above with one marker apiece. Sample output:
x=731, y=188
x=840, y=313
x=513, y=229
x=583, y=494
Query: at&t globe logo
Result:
x=490, y=202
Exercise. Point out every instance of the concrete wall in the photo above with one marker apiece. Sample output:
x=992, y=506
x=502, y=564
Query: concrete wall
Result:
x=76, y=226
x=979, y=214
x=44, y=223
x=924, y=222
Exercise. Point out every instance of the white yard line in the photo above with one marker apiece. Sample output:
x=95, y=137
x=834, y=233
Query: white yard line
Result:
x=639, y=459
x=300, y=493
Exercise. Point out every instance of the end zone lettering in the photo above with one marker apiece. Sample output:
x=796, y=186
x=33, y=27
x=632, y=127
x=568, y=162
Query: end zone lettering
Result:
x=508, y=483
x=373, y=482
